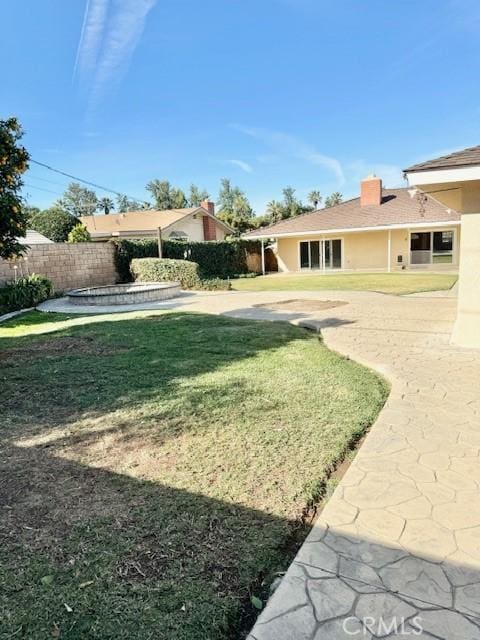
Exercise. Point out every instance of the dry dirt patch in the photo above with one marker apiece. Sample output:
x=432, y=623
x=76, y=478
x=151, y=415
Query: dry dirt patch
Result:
x=305, y=306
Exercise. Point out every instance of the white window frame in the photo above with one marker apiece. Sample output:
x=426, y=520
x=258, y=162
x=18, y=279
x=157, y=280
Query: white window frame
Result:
x=453, y=230
x=322, y=242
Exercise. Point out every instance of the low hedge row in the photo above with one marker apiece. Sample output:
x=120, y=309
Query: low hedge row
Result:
x=24, y=293
x=224, y=259
x=167, y=269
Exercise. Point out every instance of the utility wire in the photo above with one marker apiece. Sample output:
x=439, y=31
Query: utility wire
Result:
x=91, y=184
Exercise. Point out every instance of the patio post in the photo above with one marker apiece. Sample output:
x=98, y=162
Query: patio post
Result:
x=263, y=256
x=159, y=242
x=389, y=250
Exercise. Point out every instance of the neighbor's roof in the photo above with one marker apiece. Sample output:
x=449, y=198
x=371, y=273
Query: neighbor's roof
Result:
x=33, y=237
x=148, y=220
x=397, y=208
x=463, y=158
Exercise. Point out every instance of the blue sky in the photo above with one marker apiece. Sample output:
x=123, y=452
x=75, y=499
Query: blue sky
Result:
x=270, y=93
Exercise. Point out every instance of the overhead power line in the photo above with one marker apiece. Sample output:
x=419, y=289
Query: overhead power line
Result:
x=88, y=182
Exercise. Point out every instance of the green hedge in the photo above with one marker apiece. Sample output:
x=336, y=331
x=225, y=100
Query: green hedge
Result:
x=157, y=269
x=224, y=259
x=25, y=293
x=183, y=271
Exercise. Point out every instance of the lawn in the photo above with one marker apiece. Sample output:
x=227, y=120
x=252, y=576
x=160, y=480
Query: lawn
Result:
x=396, y=283
x=154, y=470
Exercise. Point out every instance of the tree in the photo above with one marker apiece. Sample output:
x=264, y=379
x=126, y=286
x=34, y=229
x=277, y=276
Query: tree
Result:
x=196, y=196
x=79, y=233
x=291, y=206
x=315, y=198
x=124, y=204
x=54, y=223
x=177, y=199
x=274, y=211
x=166, y=196
x=30, y=211
x=106, y=205
x=78, y=200
x=13, y=163
x=333, y=199
x=234, y=207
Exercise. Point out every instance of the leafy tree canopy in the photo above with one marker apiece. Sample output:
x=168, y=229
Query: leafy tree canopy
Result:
x=79, y=233
x=124, y=203
x=78, y=200
x=54, y=223
x=196, y=196
x=165, y=196
x=13, y=163
x=234, y=207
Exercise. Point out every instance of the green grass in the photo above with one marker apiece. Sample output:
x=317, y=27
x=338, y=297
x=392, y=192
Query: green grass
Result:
x=154, y=470
x=394, y=283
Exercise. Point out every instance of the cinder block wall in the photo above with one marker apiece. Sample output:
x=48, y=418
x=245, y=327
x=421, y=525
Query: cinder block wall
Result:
x=68, y=266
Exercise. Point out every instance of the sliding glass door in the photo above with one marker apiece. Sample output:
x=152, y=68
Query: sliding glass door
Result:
x=321, y=254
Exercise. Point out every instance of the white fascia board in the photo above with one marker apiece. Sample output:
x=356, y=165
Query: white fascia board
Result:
x=320, y=232
x=442, y=176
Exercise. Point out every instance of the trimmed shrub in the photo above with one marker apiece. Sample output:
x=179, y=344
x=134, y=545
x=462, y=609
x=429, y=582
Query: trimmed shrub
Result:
x=24, y=293
x=160, y=269
x=224, y=259
x=214, y=284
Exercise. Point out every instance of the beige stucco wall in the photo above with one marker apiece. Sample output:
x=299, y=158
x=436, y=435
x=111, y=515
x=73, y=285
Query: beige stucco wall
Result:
x=467, y=327
x=193, y=227
x=360, y=251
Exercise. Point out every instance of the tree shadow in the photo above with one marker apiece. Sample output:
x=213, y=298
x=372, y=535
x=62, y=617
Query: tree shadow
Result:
x=115, y=365
x=87, y=553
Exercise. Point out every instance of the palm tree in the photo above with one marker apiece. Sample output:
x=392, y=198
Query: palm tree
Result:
x=105, y=204
x=333, y=199
x=275, y=210
x=314, y=198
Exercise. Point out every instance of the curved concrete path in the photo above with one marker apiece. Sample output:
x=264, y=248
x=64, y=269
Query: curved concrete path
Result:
x=396, y=551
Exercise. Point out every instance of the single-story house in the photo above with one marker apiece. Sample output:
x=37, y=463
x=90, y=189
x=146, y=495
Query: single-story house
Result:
x=381, y=230
x=193, y=223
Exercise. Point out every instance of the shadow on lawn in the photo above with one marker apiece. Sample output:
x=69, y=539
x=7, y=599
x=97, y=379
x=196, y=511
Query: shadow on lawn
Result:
x=87, y=553
x=106, y=366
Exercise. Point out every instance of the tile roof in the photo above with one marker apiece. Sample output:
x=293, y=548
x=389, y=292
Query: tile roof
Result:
x=145, y=220
x=463, y=158
x=397, y=208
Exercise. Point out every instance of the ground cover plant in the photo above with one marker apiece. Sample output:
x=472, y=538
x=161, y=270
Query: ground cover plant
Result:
x=154, y=469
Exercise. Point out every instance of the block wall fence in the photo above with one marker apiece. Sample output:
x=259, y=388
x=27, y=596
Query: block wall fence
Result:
x=68, y=266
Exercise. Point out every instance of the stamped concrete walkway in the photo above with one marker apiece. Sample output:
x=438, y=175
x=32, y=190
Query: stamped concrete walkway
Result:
x=396, y=551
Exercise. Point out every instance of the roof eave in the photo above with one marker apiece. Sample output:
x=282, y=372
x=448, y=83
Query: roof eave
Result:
x=390, y=227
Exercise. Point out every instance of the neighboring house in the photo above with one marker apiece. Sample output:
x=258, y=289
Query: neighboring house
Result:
x=33, y=237
x=195, y=223
x=454, y=179
x=382, y=230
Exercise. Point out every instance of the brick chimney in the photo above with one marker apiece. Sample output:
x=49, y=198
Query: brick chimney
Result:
x=209, y=206
x=371, y=191
x=209, y=226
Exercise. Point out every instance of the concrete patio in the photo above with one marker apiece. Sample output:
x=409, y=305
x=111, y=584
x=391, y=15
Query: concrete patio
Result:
x=396, y=551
